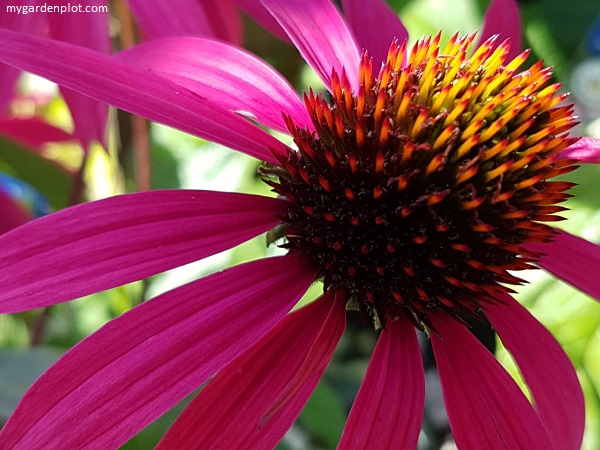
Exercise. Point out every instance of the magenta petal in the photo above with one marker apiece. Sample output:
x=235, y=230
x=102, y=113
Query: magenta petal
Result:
x=375, y=27
x=33, y=132
x=138, y=91
x=26, y=23
x=586, y=150
x=11, y=214
x=258, y=12
x=234, y=79
x=486, y=408
x=318, y=31
x=90, y=31
x=8, y=79
x=230, y=412
x=225, y=19
x=99, y=245
x=124, y=376
x=572, y=259
x=546, y=369
x=388, y=410
x=160, y=19
x=33, y=135
x=502, y=18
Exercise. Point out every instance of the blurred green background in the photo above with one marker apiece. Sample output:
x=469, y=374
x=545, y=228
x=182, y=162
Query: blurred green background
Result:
x=554, y=29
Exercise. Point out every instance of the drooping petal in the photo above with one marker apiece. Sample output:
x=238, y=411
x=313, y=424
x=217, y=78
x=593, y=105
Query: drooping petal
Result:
x=232, y=78
x=8, y=79
x=34, y=135
x=138, y=91
x=230, y=412
x=11, y=214
x=318, y=31
x=586, y=149
x=32, y=132
x=375, y=27
x=96, y=246
x=258, y=12
x=124, y=376
x=502, y=18
x=388, y=410
x=572, y=259
x=26, y=23
x=546, y=369
x=225, y=19
x=486, y=408
x=207, y=18
x=89, y=30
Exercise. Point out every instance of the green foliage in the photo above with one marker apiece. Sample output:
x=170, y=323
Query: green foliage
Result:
x=324, y=415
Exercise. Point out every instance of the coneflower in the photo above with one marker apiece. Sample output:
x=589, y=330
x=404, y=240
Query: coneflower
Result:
x=413, y=196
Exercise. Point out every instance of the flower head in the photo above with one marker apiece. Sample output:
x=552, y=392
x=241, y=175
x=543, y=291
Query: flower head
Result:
x=416, y=194
x=411, y=196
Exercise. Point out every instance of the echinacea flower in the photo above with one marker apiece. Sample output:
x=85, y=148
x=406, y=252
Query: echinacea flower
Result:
x=410, y=196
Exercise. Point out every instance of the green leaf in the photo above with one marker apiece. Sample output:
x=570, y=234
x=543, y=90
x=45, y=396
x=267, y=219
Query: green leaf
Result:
x=164, y=168
x=324, y=415
x=556, y=28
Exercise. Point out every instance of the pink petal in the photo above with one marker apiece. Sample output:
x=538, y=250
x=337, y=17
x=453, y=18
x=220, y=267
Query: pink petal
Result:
x=375, y=27
x=124, y=376
x=586, y=150
x=258, y=12
x=486, y=408
x=502, y=18
x=318, y=31
x=388, y=410
x=230, y=412
x=232, y=78
x=89, y=30
x=573, y=260
x=160, y=19
x=137, y=91
x=33, y=133
x=96, y=246
x=8, y=80
x=546, y=369
x=11, y=214
x=225, y=19
x=27, y=23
